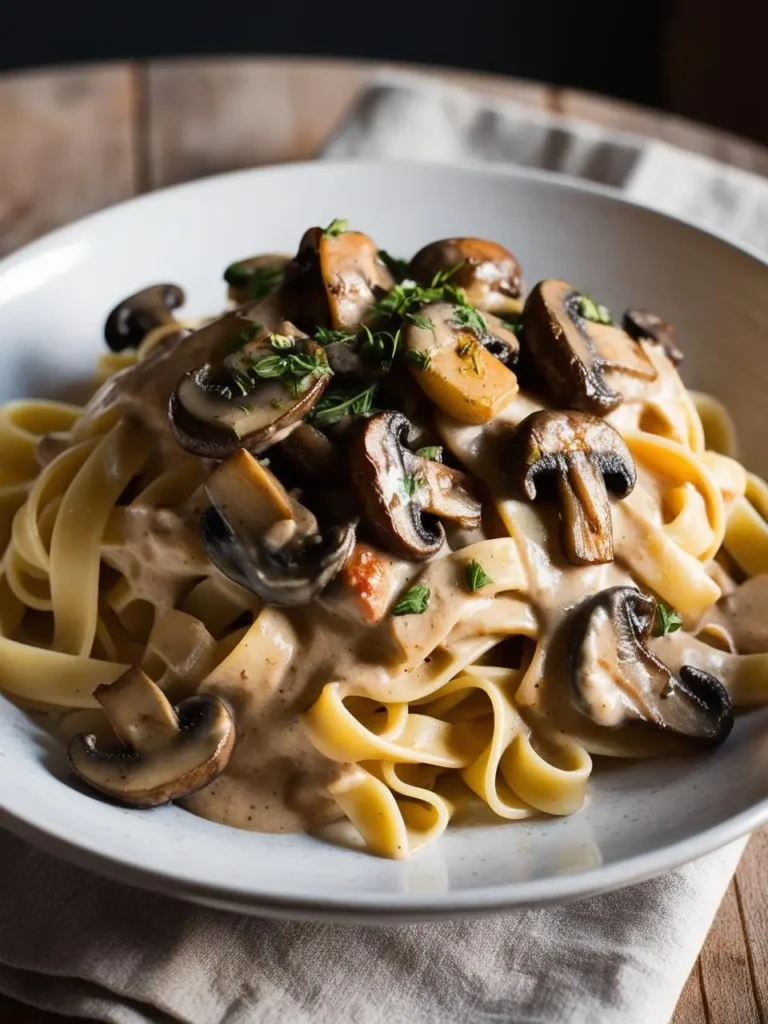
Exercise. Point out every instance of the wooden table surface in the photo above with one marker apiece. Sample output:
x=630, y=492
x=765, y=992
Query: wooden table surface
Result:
x=75, y=140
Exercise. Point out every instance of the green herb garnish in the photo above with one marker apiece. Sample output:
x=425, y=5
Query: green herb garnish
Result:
x=593, y=311
x=667, y=620
x=477, y=577
x=336, y=227
x=336, y=403
x=410, y=483
x=381, y=346
x=465, y=348
x=398, y=267
x=418, y=358
x=472, y=319
x=413, y=602
x=326, y=336
x=433, y=452
x=421, y=321
x=280, y=341
x=295, y=365
x=259, y=281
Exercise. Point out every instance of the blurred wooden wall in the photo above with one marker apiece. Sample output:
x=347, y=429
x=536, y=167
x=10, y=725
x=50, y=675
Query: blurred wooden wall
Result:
x=715, y=63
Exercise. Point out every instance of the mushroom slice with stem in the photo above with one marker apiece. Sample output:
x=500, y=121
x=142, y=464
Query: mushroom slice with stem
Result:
x=644, y=326
x=167, y=752
x=132, y=319
x=584, y=457
x=397, y=488
x=447, y=351
x=255, y=277
x=572, y=353
x=619, y=681
x=488, y=273
x=262, y=538
x=256, y=397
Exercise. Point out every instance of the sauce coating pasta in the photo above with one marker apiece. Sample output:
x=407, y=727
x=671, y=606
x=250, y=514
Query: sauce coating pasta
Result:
x=407, y=538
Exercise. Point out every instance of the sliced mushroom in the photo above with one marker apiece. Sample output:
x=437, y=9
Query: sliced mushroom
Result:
x=313, y=454
x=644, y=326
x=213, y=412
x=452, y=362
x=572, y=354
x=335, y=278
x=167, y=752
x=619, y=681
x=397, y=488
x=132, y=319
x=265, y=540
x=255, y=277
x=583, y=457
x=489, y=274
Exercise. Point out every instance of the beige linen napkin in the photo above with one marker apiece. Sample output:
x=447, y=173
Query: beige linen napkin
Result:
x=83, y=946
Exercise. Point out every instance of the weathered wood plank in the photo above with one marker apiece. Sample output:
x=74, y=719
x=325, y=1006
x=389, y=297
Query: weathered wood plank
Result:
x=690, y=1007
x=206, y=116
x=725, y=970
x=752, y=892
x=68, y=147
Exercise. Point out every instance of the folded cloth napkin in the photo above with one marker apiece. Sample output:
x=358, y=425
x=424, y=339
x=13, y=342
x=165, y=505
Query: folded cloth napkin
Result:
x=83, y=946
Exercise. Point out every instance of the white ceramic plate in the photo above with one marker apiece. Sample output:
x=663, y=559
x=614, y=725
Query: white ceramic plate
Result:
x=642, y=818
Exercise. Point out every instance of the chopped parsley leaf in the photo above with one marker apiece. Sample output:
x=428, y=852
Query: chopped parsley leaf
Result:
x=667, y=620
x=398, y=267
x=413, y=602
x=336, y=227
x=477, y=577
x=433, y=452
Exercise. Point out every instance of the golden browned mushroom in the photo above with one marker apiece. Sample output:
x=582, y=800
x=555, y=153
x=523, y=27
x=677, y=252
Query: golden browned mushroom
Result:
x=132, y=319
x=581, y=457
x=644, y=326
x=619, y=681
x=572, y=353
x=397, y=489
x=335, y=278
x=489, y=274
x=447, y=350
x=166, y=752
x=257, y=395
x=262, y=538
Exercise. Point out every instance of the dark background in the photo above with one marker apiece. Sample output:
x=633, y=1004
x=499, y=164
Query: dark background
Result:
x=701, y=58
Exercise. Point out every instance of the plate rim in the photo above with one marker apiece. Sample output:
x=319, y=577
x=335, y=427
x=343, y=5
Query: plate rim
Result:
x=392, y=906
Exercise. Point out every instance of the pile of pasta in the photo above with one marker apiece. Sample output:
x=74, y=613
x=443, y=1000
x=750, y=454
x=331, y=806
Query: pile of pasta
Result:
x=102, y=568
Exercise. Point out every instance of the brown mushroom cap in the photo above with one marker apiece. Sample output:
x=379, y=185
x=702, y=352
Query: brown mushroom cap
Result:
x=489, y=274
x=334, y=279
x=572, y=354
x=133, y=318
x=215, y=412
x=644, y=326
x=167, y=752
x=255, y=277
x=584, y=457
x=619, y=681
x=262, y=538
x=397, y=488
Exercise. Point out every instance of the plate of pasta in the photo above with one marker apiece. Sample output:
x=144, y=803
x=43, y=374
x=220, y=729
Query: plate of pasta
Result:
x=383, y=541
